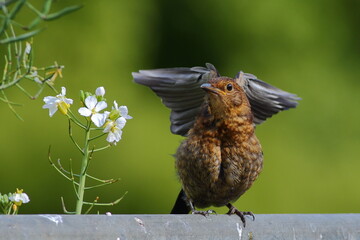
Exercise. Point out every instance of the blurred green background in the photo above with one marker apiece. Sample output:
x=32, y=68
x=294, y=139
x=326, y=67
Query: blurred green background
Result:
x=311, y=48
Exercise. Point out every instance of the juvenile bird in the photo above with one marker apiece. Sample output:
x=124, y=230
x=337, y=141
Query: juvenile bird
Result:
x=221, y=156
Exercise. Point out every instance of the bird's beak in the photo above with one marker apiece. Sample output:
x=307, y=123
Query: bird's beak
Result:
x=209, y=88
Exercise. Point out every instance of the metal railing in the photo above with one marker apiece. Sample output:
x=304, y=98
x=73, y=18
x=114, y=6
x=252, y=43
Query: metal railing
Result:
x=121, y=227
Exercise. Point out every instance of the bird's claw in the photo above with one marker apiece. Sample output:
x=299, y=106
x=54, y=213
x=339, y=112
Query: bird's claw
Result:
x=234, y=210
x=204, y=213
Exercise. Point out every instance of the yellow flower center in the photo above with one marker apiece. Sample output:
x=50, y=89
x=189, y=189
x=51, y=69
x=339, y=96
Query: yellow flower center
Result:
x=63, y=107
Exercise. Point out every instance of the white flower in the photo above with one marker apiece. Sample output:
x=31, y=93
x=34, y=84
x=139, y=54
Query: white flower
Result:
x=28, y=48
x=93, y=107
x=36, y=77
x=59, y=102
x=100, y=91
x=114, y=129
x=123, y=110
x=19, y=197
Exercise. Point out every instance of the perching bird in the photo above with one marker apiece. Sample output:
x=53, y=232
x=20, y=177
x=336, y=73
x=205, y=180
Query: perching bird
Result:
x=221, y=156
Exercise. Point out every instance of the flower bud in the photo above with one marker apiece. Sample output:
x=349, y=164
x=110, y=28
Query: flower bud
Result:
x=114, y=114
x=87, y=94
x=82, y=96
x=100, y=91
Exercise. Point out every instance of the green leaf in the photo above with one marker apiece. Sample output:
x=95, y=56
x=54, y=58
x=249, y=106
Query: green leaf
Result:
x=47, y=6
x=7, y=3
x=32, y=8
x=62, y=12
x=20, y=37
x=16, y=9
x=4, y=25
x=11, y=15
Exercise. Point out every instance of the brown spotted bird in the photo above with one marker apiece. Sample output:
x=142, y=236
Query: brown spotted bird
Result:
x=221, y=156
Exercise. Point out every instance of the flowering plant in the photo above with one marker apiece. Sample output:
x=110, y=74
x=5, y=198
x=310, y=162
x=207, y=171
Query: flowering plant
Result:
x=96, y=119
x=18, y=55
x=19, y=68
x=10, y=203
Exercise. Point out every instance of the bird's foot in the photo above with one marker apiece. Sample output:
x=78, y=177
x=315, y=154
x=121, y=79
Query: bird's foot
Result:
x=234, y=210
x=204, y=213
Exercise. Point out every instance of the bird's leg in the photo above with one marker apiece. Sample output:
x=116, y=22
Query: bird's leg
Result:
x=204, y=213
x=234, y=210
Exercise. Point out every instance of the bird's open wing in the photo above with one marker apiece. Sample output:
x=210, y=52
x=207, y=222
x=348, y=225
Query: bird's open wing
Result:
x=265, y=99
x=179, y=89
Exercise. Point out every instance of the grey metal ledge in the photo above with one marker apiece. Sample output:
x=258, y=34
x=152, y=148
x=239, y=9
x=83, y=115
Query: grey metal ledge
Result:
x=122, y=227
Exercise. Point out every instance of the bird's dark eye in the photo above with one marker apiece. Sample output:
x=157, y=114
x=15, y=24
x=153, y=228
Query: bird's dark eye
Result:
x=229, y=87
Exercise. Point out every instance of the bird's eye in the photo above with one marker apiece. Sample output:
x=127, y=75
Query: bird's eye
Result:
x=229, y=87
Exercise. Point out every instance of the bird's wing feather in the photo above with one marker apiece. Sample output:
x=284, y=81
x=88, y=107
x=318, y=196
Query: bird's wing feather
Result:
x=179, y=89
x=265, y=99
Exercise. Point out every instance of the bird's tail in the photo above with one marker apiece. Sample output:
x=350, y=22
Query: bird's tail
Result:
x=181, y=206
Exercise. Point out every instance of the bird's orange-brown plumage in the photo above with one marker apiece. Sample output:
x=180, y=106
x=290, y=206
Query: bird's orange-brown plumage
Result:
x=221, y=157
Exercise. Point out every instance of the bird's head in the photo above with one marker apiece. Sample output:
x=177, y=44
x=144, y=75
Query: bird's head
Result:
x=226, y=97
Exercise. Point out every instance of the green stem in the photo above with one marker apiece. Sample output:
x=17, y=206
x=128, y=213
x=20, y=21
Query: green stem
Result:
x=84, y=165
x=102, y=148
x=98, y=136
x=73, y=118
x=106, y=204
x=13, y=82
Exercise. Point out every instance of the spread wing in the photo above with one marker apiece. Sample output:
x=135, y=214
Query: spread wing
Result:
x=265, y=99
x=179, y=89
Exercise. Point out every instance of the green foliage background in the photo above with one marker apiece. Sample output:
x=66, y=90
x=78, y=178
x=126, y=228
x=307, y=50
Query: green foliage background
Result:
x=310, y=48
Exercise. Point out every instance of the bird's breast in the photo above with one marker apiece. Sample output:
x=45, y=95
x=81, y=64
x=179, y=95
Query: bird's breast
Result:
x=218, y=164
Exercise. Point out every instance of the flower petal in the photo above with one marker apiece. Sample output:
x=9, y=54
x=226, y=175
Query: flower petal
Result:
x=100, y=106
x=124, y=112
x=28, y=48
x=114, y=137
x=118, y=135
x=90, y=102
x=50, y=99
x=68, y=100
x=120, y=122
x=84, y=112
x=19, y=197
x=115, y=106
x=63, y=91
x=107, y=128
x=110, y=138
x=52, y=110
x=99, y=119
x=24, y=198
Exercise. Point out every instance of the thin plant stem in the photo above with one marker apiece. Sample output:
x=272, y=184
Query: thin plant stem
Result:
x=84, y=165
x=102, y=148
x=75, y=120
x=64, y=207
x=10, y=106
x=75, y=184
x=100, y=185
x=98, y=136
x=72, y=138
x=59, y=169
x=92, y=205
x=107, y=204
x=103, y=180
